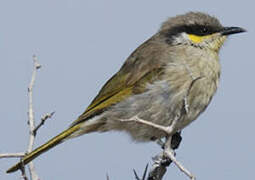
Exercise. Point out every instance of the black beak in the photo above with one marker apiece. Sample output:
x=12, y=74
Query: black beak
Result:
x=231, y=30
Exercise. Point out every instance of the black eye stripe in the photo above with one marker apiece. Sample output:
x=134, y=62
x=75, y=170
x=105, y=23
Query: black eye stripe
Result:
x=195, y=29
x=199, y=30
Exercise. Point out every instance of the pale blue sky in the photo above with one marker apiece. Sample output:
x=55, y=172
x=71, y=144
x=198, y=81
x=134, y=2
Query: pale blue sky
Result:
x=80, y=45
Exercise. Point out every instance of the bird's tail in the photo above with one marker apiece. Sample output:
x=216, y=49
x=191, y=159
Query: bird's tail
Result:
x=51, y=143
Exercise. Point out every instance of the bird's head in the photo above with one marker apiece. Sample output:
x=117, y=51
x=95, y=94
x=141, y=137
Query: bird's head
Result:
x=196, y=29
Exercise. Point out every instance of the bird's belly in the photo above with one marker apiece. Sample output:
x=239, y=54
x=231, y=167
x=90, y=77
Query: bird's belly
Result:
x=157, y=105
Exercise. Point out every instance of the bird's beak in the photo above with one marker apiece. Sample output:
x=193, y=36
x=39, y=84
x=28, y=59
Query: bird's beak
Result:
x=231, y=30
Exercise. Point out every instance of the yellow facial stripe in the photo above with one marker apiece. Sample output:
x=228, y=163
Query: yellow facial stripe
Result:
x=197, y=39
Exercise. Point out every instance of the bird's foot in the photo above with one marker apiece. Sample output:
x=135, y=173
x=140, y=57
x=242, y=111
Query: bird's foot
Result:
x=168, y=148
x=169, y=153
x=168, y=130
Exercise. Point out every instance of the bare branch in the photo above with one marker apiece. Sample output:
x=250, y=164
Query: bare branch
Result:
x=31, y=120
x=158, y=169
x=12, y=155
x=23, y=171
x=32, y=128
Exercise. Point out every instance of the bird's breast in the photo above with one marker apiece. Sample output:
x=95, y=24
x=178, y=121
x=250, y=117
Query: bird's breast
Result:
x=163, y=100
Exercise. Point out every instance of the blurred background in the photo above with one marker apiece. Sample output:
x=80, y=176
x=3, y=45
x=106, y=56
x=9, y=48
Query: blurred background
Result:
x=80, y=45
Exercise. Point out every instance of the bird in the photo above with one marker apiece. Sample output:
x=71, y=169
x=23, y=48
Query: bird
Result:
x=168, y=81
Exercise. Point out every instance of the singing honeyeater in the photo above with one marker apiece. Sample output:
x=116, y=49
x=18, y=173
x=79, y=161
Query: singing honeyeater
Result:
x=173, y=74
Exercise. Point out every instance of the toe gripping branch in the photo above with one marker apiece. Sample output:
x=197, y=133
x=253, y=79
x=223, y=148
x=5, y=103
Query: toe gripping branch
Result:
x=160, y=161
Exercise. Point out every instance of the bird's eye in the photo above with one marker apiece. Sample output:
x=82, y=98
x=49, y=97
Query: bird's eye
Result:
x=204, y=30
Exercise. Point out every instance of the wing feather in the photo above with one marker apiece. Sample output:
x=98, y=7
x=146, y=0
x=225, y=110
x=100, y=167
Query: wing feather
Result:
x=140, y=68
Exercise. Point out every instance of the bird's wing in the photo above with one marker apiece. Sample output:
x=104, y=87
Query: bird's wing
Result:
x=140, y=68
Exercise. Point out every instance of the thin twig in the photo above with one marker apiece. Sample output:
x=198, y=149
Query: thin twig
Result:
x=12, y=155
x=145, y=172
x=136, y=175
x=31, y=120
x=43, y=119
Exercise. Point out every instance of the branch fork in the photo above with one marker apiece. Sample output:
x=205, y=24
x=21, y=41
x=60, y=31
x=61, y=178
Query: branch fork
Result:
x=32, y=128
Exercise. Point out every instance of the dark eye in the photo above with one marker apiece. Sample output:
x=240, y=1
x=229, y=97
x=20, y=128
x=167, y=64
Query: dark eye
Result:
x=204, y=30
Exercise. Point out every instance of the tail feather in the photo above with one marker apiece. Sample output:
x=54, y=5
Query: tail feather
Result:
x=45, y=147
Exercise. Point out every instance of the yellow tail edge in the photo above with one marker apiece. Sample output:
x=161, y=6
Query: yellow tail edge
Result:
x=43, y=148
